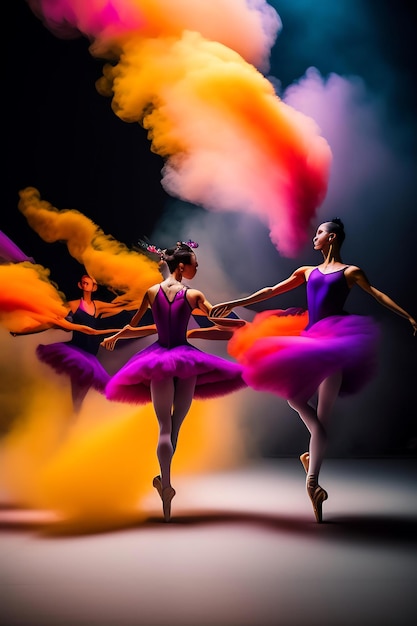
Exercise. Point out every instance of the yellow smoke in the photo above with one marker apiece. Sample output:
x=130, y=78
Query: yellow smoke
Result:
x=95, y=471
x=108, y=261
x=28, y=298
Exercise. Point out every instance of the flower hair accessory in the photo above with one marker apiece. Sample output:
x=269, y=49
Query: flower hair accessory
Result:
x=149, y=247
x=154, y=249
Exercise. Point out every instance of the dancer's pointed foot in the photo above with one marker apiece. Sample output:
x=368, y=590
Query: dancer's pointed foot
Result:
x=317, y=496
x=305, y=459
x=167, y=494
x=158, y=485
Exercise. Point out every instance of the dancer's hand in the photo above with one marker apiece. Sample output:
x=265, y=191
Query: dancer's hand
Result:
x=221, y=310
x=227, y=322
x=109, y=342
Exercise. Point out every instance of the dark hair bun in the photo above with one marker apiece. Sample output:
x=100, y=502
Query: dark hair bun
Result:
x=338, y=221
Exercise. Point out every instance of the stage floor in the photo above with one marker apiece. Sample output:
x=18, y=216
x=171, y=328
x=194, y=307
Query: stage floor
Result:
x=242, y=549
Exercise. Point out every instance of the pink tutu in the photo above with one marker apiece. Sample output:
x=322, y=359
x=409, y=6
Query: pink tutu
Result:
x=294, y=365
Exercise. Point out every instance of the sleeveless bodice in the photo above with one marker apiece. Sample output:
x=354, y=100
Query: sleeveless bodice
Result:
x=171, y=318
x=89, y=343
x=77, y=358
x=326, y=294
x=172, y=357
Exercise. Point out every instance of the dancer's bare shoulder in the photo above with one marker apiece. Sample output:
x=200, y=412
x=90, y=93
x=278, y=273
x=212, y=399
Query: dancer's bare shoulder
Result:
x=304, y=272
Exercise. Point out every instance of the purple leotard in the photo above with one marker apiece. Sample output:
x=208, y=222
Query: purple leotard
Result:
x=77, y=358
x=326, y=294
x=172, y=356
x=294, y=365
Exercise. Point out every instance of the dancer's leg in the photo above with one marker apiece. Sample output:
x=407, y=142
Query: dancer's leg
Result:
x=318, y=438
x=184, y=393
x=318, y=435
x=162, y=393
x=326, y=397
x=316, y=422
x=165, y=395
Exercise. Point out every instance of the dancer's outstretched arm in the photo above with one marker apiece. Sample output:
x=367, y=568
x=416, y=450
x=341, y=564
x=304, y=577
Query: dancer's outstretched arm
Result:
x=356, y=276
x=128, y=332
x=296, y=279
x=132, y=331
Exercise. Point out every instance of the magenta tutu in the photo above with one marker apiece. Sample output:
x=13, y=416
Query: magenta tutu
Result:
x=294, y=366
x=215, y=376
x=173, y=357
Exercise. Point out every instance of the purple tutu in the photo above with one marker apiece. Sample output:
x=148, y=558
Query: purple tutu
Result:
x=215, y=376
x=294, y=366
x=83, y=368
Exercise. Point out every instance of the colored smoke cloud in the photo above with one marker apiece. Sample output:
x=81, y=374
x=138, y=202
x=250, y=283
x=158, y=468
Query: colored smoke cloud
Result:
x=109, y=261
x=228, y=141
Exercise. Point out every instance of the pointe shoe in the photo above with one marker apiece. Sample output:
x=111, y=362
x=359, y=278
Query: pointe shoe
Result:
x=167, y=494
x=317, y=496
x=305, y=458
x=158, y=485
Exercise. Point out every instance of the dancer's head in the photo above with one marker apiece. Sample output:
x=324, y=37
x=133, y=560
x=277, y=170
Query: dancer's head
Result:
x=86, y=283
x=181, y=253
x=331, y=232
x=336, y=227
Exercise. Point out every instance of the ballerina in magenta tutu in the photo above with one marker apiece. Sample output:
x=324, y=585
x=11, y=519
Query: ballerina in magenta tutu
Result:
x=171, y=372
x=324, y=351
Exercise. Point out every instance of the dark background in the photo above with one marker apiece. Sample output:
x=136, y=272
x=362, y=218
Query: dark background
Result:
x=64, y=139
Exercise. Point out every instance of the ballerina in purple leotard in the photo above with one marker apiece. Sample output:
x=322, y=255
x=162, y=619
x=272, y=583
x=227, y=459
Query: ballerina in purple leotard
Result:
x=171, y=372
x=325, y=351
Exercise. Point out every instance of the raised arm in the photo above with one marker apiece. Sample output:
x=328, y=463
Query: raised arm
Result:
x=296, y=279
x=356, y=276
x=131, y=331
